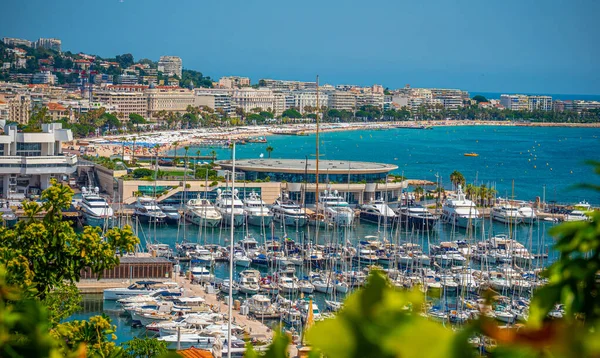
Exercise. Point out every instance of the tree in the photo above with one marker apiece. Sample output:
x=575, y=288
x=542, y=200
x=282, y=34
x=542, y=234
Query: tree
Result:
x=38, y=117
x=142, y=173
x=125, y=60
x=480, y=98
x=457, y=178
x=148, y=347
x=269, y=150
x=418, y=192
x=291, y=113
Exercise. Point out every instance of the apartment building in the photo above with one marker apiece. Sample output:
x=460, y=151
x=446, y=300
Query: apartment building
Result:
x=218, y=101
x=541, y=103
x=44, y=77
x=19, y=108
x=520, y=102
x=308, y=98
x=169, y=99
x=341, y=100
x=125, y=103
x=250, y=98
x=28, y=161
x=234, y=82
x=50, y=44
x=170, y=65
x=450, y=98
x=369, y=99
x=284, y=85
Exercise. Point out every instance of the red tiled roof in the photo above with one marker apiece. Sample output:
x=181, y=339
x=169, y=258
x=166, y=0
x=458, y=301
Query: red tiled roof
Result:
x=56, y=107
x=194, y=353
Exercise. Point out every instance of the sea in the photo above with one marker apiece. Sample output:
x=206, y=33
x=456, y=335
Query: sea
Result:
x=527, y=162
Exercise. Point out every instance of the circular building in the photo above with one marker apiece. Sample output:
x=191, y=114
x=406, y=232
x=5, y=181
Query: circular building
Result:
x=357, y=181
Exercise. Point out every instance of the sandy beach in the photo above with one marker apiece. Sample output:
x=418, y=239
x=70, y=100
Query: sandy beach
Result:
x=167, y=140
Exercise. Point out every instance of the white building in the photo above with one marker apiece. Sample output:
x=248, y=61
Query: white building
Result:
x=44, y=77
x=306, y=99
x=234, y=82
x=287, y=85
x=170, y=65
x=515, y=102
x=342, y=100
x=168, y=100
x=50, y=44
x=218, y=101
x=11, y=41
x=28, y=161
x=541, y=103
x=250, y=98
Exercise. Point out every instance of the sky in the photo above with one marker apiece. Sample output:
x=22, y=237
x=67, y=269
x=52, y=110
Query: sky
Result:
x=526, y=46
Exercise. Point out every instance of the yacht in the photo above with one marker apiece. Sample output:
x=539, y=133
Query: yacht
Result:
x=201, y=212
x=261, y=307
x=159, y=250
x=146, y=210
x=249, y=282
x=418, y=217
x=506, y=213
x=138, y=288
x=200, y=274
x=378, y=212
x=528, y=214
x=228, y=201
x=171, y=212
x=287, y=212
x=460, y=211
x=94, y=208
x=9, y=218
x=579, y=213
x=257, y=212
x=335, y=208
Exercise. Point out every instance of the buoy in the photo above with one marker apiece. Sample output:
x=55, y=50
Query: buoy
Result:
x=550, y=168
x=534, y=167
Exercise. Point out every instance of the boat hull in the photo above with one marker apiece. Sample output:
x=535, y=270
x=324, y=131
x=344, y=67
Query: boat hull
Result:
x=259, y=220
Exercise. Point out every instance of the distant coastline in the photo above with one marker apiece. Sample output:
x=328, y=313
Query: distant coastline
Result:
x=555, y=96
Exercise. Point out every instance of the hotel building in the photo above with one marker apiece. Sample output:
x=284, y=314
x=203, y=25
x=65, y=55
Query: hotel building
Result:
x=170, y=65
x=28, y=161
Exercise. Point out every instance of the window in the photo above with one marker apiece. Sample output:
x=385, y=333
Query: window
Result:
x=29, y=149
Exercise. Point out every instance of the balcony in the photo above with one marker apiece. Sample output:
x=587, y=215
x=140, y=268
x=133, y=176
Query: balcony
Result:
x=56, y=164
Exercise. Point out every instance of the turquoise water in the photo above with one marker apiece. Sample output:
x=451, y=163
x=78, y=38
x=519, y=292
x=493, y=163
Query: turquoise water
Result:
x=532, y=157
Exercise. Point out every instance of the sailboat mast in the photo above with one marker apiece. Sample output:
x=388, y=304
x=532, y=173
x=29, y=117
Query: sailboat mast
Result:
x=317, y=154
x=231, y=228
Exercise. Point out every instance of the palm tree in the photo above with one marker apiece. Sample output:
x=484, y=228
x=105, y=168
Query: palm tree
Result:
x=470, y=191
x=213, y=154
x=197, y=157
x=175, y=144
x=457, y=178
x=483, y=194
x=418, y=192
x=269, y=150
x=491, y=196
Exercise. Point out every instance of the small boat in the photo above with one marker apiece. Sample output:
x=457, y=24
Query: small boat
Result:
x=472, y=154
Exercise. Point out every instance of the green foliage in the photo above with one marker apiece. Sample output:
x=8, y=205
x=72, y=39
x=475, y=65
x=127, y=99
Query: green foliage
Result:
x=142, y=173
x=196, y=77
x=204, y=171
x=38, y=117
x=480, y=98
x=457, y=178
x=278, y=348
x=125, y=60
x=145, y=348
x=136, y=118
x=269, y=150
x=291, y=113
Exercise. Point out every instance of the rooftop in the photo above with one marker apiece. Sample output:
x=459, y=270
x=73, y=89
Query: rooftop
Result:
x=300, y=166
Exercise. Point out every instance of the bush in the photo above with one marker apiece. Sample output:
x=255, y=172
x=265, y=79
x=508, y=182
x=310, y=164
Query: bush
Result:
x=142, y=173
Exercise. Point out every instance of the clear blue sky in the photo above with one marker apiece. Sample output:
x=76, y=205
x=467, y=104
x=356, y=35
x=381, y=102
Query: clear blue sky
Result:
x=534, y=46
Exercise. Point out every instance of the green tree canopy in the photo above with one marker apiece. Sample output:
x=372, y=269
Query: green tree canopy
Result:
x=291, y=113
x=480, y=98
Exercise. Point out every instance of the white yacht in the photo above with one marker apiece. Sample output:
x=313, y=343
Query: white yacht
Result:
x=224, y=202
x=138, y=288
x=249, y=282
x=460, y=211
x=95, y=209
x=335, y=208
x=506, y=213
x=171, y=212
x=201, y=212
x=579, y=213
x=146, y=210
x=378, y=212
x=528, y=214
x=418, y=217
x=257, y=212
x=286, y=211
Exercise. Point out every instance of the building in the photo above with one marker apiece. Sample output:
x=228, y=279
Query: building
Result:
x=30, y=160
x=57, y=111
x=287, y=85
x=342, y=100
x=170, y=66
x=540, y=103
x=250, y=98
x=306, y=100
x=450, y=98
x=125, y=103
x=44, y=77
x=369, y=99
x=169, y=99
x=4, y=111
x=127, y=79
x=515, y=102
x=50, y=44
x=218, y=101
x=357, y=182
x=234, y=82
x=19, y=108
x=11, y=41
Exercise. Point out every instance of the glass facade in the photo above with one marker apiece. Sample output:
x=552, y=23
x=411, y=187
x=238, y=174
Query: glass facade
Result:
x=29, y=149
x=311, y=178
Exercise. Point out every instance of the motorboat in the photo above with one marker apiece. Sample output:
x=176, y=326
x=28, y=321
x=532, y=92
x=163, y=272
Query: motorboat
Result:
x=95, y=209
x=146, y=209
x=200, y=274
x=249, y=282
x=235, y=289
x=506, y=213
x=460, y=211
x=335, y=208
x=261, y=307
x=202, y=212
x=160, y=250
x=138, y=288
x=378, y=212
x=418, y=217
x=171, y=212
x=528, y=214
x=579, y=213
x=256, y=210
x=241, y=259
x=227, y=203
x=289, y=213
